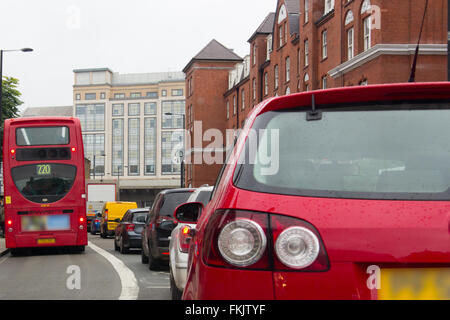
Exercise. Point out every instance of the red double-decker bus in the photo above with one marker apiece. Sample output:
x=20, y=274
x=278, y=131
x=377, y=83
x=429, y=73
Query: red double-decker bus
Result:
x=44, y=183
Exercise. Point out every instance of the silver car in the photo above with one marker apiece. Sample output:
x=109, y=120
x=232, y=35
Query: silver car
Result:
x=178, y=247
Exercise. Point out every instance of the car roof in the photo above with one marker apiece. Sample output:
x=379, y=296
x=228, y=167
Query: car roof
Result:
x=138, y=210
x=193, y=197
x=178, y=190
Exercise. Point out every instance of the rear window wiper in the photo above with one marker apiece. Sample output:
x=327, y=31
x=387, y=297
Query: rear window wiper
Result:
x=313, y=114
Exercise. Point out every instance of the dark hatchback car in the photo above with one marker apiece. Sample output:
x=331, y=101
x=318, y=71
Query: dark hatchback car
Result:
x=159, y=225
x=128, y=234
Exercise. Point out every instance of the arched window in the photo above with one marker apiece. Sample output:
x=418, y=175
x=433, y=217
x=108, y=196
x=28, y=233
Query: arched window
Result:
x=306, y=82
x=349, y=17
x=288, y=90
x=366, y=6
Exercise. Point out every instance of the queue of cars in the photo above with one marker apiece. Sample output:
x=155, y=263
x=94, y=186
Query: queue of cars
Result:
x=343, y=195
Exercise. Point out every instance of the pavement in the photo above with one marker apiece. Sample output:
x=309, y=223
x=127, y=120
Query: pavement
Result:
x=3, y=249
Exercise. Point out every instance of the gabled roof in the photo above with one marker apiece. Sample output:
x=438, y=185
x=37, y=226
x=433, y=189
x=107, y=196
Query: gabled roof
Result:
x=265, y=27
x=214, y=51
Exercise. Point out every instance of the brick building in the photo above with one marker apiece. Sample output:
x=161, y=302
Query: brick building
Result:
x=309, y=45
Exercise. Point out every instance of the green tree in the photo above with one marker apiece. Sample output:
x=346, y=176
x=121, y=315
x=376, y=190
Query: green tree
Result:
x=10, y=103
x=10, y=98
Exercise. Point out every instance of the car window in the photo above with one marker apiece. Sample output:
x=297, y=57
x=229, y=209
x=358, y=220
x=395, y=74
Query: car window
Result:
x=399, y=152
x=139, y=216
x=171, y=201
x=203, y=197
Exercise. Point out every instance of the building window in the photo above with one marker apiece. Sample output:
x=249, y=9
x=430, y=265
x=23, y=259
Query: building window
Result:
x=135, y=95
x=152, y=95
x=171, y=145
x=280, y=33
x=150, y=108
x=364, y=82
x=117, y=110
x=92, y=116
x=269, y=46
x=324, y=82
x=228, y=109
x=134, y=109
x=329, y=6
x=94, y=145
x=266, y=84
x=306, y=53
x=177, y=92
x=90, y=96
x=306, y=11
x=164, y=93
x=350, y=37
x=306, y=82
x=234, y=105
x=276, y=77
x=243, y=99
x=288, y=91
x=254, y=88
x=367, y=40
x=117, y=147
x=349, y=17
x=176, y=108
x=254, y=54
x=288, y=69
x=102, y=95
x=78, y=96
x=366, y=6
x=150, y=146
x=119, y=95
x=190, y=86
x=133, y=146
x=324, y=44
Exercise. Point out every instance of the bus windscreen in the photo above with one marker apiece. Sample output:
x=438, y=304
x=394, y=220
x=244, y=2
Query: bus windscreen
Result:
x=44, y=183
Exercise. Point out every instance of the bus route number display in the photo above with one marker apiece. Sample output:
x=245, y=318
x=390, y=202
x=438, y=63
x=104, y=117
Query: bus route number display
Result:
x=44, y=169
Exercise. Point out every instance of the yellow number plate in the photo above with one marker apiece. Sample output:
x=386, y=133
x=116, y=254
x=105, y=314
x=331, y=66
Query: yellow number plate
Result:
x=46, y=241
x=415, y=284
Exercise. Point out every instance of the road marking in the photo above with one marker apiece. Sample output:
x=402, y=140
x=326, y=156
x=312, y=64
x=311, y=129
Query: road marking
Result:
x=130, y=288
x=1, y=261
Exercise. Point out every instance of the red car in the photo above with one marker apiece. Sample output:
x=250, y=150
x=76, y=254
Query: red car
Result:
x=332, y=194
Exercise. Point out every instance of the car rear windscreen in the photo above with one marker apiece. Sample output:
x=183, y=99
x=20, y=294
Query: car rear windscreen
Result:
x=39, y=136
x=172, y=201
x=375, y=152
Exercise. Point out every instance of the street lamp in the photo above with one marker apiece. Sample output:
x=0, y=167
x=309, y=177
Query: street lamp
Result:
x=1, y=79
x=184, y=145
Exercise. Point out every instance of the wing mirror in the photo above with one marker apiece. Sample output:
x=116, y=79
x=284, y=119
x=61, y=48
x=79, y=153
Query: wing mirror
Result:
x=188, y=212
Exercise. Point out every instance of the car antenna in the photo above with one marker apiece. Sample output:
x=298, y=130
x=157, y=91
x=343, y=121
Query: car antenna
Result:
x=412, y=77
x=313, y=114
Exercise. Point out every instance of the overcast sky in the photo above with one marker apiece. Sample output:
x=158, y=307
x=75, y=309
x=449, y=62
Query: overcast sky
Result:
x=129, y=36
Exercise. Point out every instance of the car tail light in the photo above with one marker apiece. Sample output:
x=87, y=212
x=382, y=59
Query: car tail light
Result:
x=106, y=214
x=130, y=227
x=237, y=239
x=81, y=219
x=184, y=239
x=261, y=241
x=297, y=245
x=9, y=223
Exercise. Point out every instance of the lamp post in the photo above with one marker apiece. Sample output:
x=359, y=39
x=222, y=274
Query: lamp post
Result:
x=1, y=82
x=118, y=182
x=184, y=145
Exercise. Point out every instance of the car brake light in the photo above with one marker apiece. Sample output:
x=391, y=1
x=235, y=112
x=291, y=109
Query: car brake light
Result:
x=73, y=149
x=9, y=222
x=13, y=151
x=237, y=239
x=81, y=219
x=184, y=239
x=261, y=241
x=130, y=227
